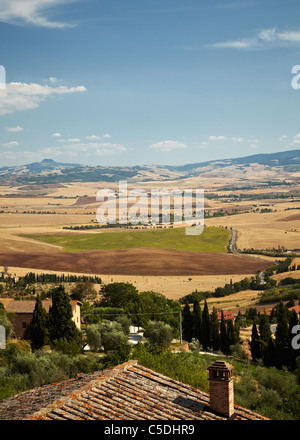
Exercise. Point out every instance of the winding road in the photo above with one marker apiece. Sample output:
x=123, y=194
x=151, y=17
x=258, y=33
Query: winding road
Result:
x=233, y=249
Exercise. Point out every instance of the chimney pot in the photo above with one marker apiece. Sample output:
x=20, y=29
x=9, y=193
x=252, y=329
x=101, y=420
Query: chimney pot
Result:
x=221, y=388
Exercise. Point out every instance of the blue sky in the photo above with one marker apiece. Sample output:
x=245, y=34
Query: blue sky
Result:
x=135, y=82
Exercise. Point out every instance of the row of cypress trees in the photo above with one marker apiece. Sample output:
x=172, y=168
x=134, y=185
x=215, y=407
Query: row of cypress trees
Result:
x=275, y=351
x=210, y=332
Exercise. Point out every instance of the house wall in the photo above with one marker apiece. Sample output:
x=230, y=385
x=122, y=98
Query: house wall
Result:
x=21, y=322
x=76, y=315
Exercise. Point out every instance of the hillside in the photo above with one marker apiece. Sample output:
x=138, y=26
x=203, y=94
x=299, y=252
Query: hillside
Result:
x=273, y=167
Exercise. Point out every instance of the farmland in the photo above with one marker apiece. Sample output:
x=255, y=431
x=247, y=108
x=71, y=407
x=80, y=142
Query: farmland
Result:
x=33, y=234
x=213, y=239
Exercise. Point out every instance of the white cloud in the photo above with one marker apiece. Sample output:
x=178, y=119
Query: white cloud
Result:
x=217, y=138
x=21, y=96
x=238, y=139
x=31, y=12
x=296, y=139
x=267, y=34
x=56, y=135
x=93, y=137
x=239, y=44
x=282, y=138
x=167, y=146
x=88, y=148
x=290, y=36
x=96, y=137
x=265, y=38
x=52, y=79
x=11, y=144
x=69, y=140
x=233, y=139
x=14, y=129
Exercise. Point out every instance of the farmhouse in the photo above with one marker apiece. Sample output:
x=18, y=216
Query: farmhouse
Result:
x=129, y=392
x=22, y=312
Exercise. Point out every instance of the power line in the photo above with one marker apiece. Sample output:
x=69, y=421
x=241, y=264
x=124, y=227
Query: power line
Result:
x=131, y=314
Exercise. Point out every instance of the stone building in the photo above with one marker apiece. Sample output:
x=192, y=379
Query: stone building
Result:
x=22, y=312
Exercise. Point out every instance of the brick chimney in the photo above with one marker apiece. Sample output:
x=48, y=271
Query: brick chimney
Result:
x=221, y=388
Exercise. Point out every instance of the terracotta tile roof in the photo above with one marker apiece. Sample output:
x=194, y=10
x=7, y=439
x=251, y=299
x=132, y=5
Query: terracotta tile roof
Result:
x=296, y=308
x=27, y=305
x=126, y=392
x=227, y=315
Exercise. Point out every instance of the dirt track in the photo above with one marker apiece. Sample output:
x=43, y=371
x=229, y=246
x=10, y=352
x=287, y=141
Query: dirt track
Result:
x=137, y=262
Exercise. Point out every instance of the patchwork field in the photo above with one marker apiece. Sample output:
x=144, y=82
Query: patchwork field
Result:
x=32, y=236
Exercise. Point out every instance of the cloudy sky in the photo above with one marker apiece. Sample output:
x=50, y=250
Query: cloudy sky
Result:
x=132, y=82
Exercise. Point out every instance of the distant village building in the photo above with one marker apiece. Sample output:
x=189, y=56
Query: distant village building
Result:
x=227, y=315
x=23, y=312
x=296, y=308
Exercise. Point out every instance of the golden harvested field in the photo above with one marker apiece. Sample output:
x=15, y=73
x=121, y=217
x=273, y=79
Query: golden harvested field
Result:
x=237, y=301
x=264, y=230
x=293, y=274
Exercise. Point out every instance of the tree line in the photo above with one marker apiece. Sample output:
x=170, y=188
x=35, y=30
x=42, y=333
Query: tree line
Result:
x=33, y=278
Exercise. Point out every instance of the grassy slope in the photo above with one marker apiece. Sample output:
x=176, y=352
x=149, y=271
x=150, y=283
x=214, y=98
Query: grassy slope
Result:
x=213, y=239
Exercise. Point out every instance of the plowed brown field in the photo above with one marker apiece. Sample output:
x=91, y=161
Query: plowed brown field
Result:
x=142, y=261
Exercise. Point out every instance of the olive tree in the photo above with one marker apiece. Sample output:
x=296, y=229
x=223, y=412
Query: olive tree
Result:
x=159, y=333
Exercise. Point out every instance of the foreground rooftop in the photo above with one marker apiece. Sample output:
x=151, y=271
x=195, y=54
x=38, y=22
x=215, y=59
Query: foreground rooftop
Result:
x=126, y=392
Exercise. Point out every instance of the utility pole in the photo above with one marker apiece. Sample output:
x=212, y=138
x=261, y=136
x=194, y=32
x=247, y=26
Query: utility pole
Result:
x=180, y=321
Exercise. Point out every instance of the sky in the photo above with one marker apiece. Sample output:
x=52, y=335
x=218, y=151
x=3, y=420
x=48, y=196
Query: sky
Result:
x=141, y=82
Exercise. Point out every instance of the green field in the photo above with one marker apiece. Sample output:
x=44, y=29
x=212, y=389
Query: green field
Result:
x=212, y=239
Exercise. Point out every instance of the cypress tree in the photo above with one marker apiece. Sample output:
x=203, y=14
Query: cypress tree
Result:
x=61, y=325
x=187, y=323
x=282, y=336
x=223, y=335
x=205, y=327
x=264, y=328
x=37, y=331
x=293, y=354
x=255, y=344
x=269, y=355
x=231, y=333
x=197, y=320
x=215, y=330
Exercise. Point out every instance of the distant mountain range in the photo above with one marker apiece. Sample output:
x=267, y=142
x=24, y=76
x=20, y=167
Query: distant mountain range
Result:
x=48, y=171
x=284, y=158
